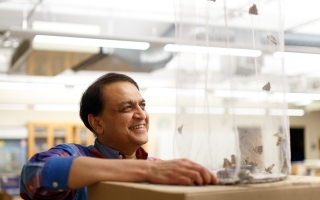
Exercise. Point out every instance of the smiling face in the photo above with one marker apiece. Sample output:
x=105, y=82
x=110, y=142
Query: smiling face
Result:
x=124, y=121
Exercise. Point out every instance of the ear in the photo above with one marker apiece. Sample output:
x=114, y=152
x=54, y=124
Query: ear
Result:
x=94, y=122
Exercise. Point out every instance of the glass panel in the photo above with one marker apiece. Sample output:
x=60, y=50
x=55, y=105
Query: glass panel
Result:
x=59, y=132
x=40, y=145
x=59, y=140
x=40, y=131
x=13, y=154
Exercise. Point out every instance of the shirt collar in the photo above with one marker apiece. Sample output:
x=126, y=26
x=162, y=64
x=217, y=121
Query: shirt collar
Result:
x=114, y=154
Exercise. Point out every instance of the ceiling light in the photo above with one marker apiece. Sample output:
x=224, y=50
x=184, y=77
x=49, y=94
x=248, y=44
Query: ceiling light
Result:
x=10, y=106
x=174, y=92
x=161, y=109
x=297, y=56
x=15, y=132
x=56, y=107
x=213, y=50
x=91, y=42
x=31, y=86
x=187, y=110
x=80, y=88
x=302, y=102
x=204, y=110
x=293, y=97
x=247, y=111
x=239, y=94
x=290, y=112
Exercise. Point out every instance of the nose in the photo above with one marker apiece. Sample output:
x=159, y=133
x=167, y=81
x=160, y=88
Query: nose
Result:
x=140, y=113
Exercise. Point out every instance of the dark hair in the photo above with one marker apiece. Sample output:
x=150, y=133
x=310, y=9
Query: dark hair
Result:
x=92, y=100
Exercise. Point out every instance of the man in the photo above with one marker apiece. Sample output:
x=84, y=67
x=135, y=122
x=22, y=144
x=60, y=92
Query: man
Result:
x=114, y=110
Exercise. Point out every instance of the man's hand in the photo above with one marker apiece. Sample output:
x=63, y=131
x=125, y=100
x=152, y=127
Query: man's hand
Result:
x=86, y=171
x=179, y=172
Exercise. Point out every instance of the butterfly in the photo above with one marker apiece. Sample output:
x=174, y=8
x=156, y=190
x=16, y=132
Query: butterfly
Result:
x=180, y=129
x=272, y=39
x=247, y=161
x=266, y=87
x=253, y=10
x=258, y=149
x=269, y=168
x=280, y=138
x=227, y=164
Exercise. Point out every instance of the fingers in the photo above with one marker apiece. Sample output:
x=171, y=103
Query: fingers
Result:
x=181, y=172
x=201, y=175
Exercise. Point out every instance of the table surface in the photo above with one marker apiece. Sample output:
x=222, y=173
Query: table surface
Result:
x=293, y=187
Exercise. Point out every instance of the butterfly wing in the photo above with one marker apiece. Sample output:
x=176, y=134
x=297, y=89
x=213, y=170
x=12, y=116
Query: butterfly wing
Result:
x=253, y=10
x=180, y=129
x=266, y=87
x=258, y=149
x=272, y=39
x=226, y=163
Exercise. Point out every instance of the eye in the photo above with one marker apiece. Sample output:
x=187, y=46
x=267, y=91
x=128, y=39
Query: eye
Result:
x=126, y=109
x=143, y=106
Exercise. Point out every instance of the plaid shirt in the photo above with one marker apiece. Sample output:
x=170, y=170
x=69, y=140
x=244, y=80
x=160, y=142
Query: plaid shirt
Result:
x=46, y=174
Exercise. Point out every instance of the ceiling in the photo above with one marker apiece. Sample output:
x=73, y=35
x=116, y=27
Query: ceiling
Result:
x=22, y=60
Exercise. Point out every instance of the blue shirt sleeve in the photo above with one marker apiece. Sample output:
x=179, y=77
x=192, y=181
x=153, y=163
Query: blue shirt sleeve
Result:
x=46, y=174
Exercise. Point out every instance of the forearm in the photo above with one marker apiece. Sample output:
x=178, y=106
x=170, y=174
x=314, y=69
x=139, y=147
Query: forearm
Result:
x=87, y=171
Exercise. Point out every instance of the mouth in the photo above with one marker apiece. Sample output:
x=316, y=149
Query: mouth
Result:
x=137, y=127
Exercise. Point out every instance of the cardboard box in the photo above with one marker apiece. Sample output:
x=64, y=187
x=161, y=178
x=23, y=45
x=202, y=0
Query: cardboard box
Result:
x=292, y=188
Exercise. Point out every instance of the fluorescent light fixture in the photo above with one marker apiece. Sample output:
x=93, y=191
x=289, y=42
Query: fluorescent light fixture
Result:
x=213, y=50
x=15, y=132
x=161, y=109
x=174, y=92
x=56, y=107
x=297, y=56
x=31, y=86
x=202, y=110
x=10, y=106
x=247, y=111
x=293, y=97
x=80, y=88
x=187, y=110
x=58, y=27
x=91, y=42
x=290, y=112
x=275, y=96
x=239, y=94
x=302, y=102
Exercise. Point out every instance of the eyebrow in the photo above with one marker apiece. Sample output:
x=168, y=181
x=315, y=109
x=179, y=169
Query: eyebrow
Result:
x=130, y=102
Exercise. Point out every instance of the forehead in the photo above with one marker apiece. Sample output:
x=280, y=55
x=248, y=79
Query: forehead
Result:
x=121, y=91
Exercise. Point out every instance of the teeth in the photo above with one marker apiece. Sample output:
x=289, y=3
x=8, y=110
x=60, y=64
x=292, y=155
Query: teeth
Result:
x=136, y=127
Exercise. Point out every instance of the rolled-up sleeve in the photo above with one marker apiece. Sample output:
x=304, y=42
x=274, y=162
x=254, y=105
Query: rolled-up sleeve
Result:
x=55, y=172
x=46, y=174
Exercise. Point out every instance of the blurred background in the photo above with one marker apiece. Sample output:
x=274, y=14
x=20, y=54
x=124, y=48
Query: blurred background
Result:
x=51, y=50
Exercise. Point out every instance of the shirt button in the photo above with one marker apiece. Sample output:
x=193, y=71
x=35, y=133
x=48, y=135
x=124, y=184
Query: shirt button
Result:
x=55, y=184
x=31, y=187
x=120, y=157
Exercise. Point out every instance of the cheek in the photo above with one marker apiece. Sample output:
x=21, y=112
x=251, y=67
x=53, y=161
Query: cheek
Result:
x=147, y=120
x=123, y=120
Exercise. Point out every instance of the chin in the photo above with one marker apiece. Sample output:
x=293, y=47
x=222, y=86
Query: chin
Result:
x=143, y=141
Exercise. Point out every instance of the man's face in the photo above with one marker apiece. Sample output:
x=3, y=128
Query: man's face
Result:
x=124, y=120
